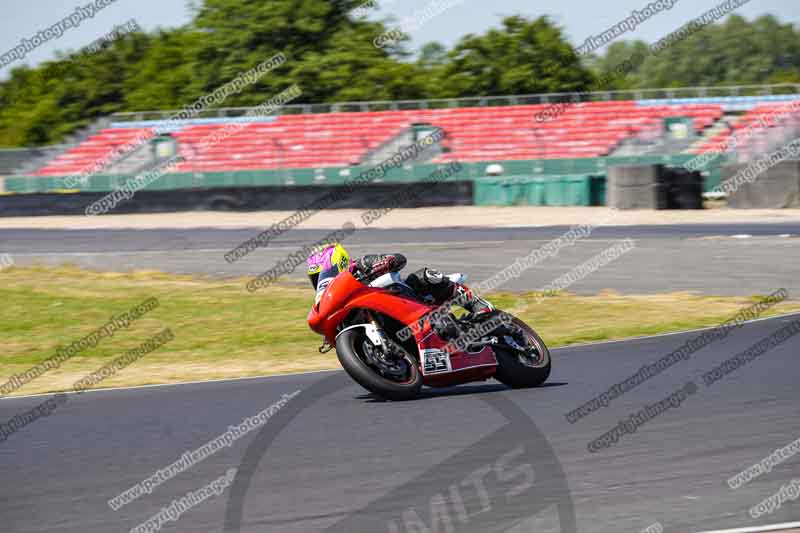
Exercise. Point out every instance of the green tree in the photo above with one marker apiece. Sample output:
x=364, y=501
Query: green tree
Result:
x=734, y=52
x=524, y=57
x=331, y=57
x=432, y=55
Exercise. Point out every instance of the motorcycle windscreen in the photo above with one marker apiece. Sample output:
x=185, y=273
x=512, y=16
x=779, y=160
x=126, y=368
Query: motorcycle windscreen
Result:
x=325, y=278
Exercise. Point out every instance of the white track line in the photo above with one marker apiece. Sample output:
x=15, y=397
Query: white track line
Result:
x=225, y=250
x=281, y=248
x=758, y=529
x=222, y=380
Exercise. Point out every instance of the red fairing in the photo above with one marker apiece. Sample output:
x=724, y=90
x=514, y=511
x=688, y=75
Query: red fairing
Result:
x=461, y=367
x=346, y=293
x=320, y=318
x=439, y=368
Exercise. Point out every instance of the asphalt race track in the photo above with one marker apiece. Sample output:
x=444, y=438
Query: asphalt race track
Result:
x=477, y=458
x=731, y=259
x=481, y=456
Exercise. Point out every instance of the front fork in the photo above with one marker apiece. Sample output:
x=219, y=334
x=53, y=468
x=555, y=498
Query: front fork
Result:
x=376, y=334
x=373, y=330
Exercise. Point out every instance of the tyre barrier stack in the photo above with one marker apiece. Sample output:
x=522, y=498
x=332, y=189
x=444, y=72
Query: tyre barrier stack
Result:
x=654, y=187
x=775, y=188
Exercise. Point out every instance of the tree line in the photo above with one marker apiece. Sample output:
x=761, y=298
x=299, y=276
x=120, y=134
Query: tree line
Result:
x=331, y=56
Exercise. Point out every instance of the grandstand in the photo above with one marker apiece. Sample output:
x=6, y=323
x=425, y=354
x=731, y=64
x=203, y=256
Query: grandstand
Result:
x=548, y=149
x=767, y=118
x=509, y=132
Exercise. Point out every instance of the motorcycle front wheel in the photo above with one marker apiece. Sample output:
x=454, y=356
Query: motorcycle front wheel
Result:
x=522, y=368
x=396, y=380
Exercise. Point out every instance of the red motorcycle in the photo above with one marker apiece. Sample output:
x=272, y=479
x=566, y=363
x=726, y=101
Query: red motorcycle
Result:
x=368, y=325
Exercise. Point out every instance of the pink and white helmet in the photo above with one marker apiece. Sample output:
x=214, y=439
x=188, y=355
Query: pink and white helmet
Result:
x=331, y=259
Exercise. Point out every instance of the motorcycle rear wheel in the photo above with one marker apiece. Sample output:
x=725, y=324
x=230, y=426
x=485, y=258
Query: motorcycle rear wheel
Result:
x=350, y=351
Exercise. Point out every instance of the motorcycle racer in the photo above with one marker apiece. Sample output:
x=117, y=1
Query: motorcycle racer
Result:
x=430, y=286
x=392, y=340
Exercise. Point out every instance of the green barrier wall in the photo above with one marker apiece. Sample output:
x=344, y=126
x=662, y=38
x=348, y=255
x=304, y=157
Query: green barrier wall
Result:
x=528, y=182
x=542, y=190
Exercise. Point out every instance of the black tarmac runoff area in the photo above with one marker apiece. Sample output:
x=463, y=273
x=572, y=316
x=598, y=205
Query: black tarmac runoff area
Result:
x=718, y=259
x=330, y=457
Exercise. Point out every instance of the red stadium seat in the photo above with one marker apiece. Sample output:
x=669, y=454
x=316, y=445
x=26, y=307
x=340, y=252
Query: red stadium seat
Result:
x=473, y=134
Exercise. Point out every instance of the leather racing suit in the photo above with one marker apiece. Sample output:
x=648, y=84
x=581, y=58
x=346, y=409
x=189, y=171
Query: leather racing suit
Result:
x=429, y=285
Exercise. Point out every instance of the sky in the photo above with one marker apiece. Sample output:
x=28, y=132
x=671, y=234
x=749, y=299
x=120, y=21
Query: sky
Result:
x=579, y=18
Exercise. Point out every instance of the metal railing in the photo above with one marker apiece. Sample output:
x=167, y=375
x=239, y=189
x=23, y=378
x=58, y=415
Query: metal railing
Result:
x=482, y=101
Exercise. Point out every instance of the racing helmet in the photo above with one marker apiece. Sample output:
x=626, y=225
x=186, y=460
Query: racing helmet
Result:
x=331, y=259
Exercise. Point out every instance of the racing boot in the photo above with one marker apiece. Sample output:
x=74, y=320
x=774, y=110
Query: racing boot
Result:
x=474, y=304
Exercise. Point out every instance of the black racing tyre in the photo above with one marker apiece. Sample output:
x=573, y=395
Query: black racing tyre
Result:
x=518, y=371
x=350, y=353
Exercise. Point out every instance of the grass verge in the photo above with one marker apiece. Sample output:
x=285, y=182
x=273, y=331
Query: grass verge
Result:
x=222, y=331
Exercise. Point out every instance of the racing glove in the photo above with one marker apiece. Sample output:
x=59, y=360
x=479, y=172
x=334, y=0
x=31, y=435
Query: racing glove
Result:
x=370, y=267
